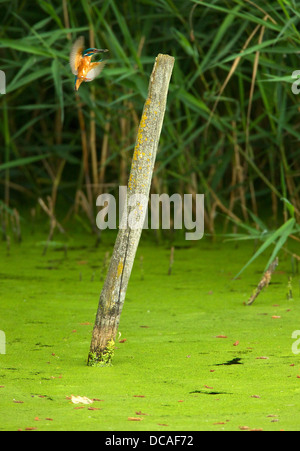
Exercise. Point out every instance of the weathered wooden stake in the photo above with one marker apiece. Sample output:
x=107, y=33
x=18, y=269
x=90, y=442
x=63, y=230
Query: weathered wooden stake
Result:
x=113, y=293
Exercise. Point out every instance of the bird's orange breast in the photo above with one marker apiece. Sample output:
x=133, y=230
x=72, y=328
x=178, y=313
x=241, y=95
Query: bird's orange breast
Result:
x=84, y=67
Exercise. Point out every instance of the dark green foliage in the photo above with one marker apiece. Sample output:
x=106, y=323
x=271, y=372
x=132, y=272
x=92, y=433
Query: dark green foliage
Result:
x=230, y=95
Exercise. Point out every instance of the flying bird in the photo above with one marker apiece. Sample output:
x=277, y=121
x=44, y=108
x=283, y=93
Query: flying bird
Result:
x=81, y=65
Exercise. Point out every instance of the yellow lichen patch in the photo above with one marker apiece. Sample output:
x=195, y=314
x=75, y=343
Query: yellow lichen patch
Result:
x=139, y=139
x=120, y=269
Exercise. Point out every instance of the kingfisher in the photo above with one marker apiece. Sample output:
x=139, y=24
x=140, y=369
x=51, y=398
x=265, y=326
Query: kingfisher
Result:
x=81, y=65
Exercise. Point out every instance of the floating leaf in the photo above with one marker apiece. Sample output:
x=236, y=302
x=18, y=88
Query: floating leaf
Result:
x=81, y=400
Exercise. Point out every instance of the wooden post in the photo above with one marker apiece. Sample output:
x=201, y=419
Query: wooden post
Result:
x=114, y=290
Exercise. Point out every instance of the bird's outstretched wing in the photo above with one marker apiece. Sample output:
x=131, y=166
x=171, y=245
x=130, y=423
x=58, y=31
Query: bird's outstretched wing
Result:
x=95, y=70
x=76, y=54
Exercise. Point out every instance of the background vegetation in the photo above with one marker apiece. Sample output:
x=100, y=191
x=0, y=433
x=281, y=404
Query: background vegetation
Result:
x=231, y=130
x=192, y=356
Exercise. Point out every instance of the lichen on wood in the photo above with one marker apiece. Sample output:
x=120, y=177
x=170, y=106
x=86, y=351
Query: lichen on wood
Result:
x=113, y=293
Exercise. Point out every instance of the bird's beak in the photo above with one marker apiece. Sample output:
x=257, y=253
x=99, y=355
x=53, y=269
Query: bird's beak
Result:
x=101, y=50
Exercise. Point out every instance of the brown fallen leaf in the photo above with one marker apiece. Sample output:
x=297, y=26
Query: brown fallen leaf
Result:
x=37, y=419
x=134, y=419
x=30, y=429
x=86, y=324
x=94, y=408
x=18, y=402
x=98, y=400
x=221, y=336
x=49, y=419
x=138, y=396
x=262, y=358
x=162, y=424
x=140, y=413
x=123, y=341
x=236, y=343
x=246, y=428
x=255, y=396
x=276, y=317
x=220, y=422
x=207, y=386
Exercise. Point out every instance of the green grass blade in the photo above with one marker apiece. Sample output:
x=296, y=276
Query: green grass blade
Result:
x=282, y=233
x=22, y=162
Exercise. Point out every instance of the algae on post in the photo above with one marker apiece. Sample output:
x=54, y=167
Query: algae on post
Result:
x=105, y=359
